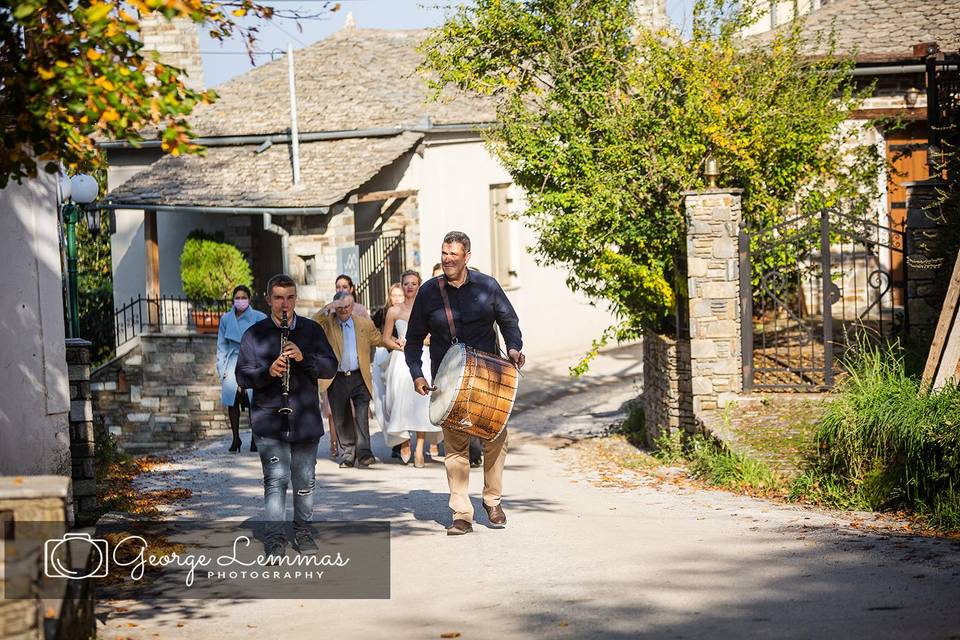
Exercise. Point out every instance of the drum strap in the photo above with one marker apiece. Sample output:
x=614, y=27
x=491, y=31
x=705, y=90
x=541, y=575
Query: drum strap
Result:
x=442, y=283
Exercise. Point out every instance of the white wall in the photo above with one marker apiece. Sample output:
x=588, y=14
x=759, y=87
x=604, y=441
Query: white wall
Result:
x=126, y=247
x=454, y=178
x=34, y=388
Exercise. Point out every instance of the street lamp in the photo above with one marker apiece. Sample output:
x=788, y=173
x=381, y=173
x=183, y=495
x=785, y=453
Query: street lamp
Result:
x=711, y=171
x=79, y=190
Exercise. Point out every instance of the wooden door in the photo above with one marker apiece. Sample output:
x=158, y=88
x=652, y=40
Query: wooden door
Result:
x=907, y=154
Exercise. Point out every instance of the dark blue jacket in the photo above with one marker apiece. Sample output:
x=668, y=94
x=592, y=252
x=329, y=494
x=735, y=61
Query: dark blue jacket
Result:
x=476, y=305
x=259, y=347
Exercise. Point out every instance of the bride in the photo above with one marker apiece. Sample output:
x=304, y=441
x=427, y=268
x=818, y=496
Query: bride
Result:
x=407, y=410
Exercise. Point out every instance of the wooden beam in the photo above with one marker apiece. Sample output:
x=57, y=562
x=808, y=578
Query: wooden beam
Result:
x=152, y=250
x=377, y=196
x=917, y=113
x=943, y=359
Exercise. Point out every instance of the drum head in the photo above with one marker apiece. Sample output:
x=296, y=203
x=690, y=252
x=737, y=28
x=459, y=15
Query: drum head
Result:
x=447, y=382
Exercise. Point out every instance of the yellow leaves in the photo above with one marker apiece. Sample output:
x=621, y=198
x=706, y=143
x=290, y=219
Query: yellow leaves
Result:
x=105, y=84
x=61, y=64
x=93, y=55
x=45, y=74
x=239, y=12
x=98, y=11
x=110, y=115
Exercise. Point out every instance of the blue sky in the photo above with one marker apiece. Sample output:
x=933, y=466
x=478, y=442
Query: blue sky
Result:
x=223, y=61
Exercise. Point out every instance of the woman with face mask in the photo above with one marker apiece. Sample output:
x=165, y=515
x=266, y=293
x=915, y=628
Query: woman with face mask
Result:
x=233, y=324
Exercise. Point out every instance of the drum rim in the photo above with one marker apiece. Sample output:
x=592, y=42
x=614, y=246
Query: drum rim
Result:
x=463, y=349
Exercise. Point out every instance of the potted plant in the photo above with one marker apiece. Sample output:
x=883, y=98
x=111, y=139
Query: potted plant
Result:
x=210, y=268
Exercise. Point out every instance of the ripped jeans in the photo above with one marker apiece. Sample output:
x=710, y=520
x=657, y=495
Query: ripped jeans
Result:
x=287, y=463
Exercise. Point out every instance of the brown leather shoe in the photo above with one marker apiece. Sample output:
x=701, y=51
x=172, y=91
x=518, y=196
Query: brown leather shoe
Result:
x=496, y=515
x=459, y=527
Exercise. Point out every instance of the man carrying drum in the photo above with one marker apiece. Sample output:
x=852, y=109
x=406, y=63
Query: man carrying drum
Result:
x=474, y=302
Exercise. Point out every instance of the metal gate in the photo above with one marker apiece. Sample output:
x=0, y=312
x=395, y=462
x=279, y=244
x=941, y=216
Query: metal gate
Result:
x=812, y=288
x=382, y=260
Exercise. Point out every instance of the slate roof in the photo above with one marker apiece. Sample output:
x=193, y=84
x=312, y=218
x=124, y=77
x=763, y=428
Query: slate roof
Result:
x=878, y=30
x=353, y=79
x=240, y=177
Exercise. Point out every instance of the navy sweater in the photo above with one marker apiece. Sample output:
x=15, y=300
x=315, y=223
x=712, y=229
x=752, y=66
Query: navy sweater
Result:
x=259, y=347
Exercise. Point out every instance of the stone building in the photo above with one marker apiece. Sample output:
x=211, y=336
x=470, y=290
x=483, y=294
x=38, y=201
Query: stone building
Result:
x=379, y=174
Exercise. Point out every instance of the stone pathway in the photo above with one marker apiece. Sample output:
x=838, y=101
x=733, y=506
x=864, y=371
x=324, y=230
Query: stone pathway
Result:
x=577, y=560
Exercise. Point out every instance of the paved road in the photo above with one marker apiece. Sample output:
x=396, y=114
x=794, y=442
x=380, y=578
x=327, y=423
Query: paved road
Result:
x=576, y=560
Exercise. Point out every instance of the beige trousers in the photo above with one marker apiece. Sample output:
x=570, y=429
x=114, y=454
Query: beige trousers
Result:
x=457, y=462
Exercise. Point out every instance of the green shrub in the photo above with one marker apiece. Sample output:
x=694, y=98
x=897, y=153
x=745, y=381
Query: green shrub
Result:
x=668, y=446
x=722, y=467
x=635, y=425
x=211, y=268
x=886, y=443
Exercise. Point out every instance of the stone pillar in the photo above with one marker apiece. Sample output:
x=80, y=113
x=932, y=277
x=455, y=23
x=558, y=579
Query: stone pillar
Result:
x=926, y=276
x=81, y=431
x=713, y=283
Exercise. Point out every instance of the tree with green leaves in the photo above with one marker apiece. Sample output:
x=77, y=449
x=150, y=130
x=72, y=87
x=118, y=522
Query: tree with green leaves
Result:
x=74, y=71
x=606, y=123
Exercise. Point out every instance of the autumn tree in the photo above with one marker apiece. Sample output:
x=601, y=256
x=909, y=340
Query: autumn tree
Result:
x=74, y=71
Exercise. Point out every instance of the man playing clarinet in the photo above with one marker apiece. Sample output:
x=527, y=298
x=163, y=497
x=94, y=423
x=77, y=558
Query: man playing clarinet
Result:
x=477, y=302
x=281, y=380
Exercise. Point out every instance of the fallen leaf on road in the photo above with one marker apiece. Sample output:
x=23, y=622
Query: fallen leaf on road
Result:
x=563, y=624
x=18, y=480
x=450, y=634
x=179, y=624
x=132, y=624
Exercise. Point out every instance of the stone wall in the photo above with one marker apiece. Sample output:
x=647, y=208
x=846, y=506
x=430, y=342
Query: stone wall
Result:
x=312, y=254
x=667, y=401
x=702, y=369
x=66, y=614
x=81, y=431
x=162, y=393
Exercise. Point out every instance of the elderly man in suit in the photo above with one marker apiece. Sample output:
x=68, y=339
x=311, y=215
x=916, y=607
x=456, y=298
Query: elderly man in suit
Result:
x=353, y=338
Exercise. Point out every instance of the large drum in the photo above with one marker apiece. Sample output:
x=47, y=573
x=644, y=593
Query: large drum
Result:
x=474, y=392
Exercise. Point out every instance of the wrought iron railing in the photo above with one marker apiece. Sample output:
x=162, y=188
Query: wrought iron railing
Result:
x=145, y=314
x=382, y=260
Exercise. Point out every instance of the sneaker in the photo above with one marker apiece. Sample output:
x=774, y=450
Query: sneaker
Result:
x=346, y=464
x=274, y=549
x=305, y=543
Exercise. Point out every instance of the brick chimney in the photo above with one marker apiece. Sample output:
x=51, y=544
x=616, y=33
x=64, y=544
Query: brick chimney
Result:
x=177, y=42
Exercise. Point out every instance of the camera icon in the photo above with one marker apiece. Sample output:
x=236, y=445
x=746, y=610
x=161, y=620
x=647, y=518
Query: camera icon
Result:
x=56, y=557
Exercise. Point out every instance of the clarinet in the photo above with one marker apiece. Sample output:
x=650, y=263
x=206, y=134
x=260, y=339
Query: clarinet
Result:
x=285, y=380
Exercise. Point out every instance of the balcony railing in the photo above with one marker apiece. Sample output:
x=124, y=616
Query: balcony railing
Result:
x=167, y=313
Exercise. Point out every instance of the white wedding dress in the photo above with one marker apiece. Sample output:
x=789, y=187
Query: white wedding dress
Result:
x=405, y=409
x=380, y=363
